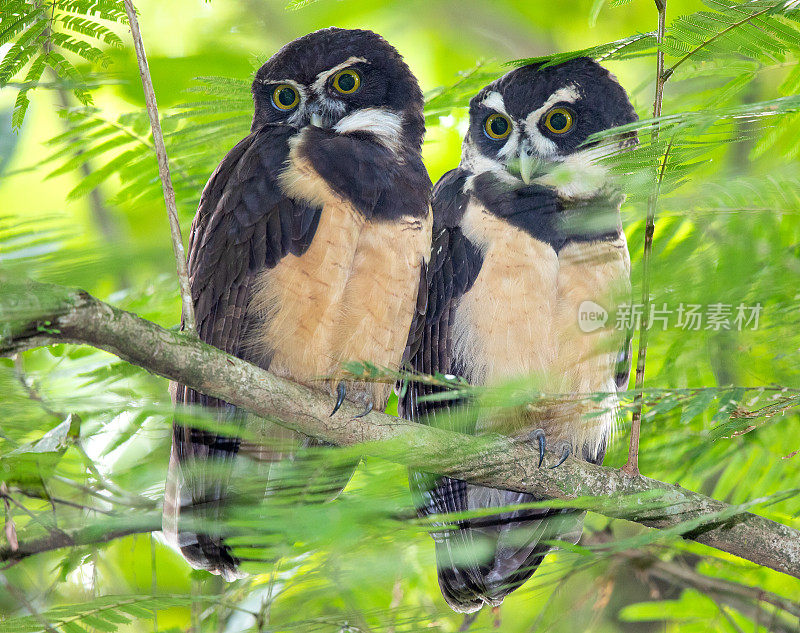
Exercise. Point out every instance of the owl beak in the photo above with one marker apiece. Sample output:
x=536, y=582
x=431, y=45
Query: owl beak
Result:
x=316, y=120
x=529, y=164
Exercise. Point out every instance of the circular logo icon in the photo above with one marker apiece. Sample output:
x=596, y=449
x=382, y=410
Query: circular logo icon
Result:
x=591, y=316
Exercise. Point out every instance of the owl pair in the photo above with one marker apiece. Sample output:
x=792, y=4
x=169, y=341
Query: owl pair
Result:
x=317, y=242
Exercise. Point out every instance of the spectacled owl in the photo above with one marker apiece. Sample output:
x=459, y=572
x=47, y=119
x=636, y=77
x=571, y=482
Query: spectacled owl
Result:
x=306, y=251
x=527, y=235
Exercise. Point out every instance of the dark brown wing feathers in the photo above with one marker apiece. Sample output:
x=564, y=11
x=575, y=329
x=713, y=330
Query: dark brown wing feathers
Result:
x=244, y=224
x=467, y=582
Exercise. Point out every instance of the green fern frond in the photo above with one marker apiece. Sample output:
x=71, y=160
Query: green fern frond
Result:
x=441, y=101
x=91, y=28
x=15, y=21
x=21, y=52
x=639, y=45
x=761, y=30
x=79, y=47
x=64, y=68
x=35, y=29
x=103, y=614
x=22, y=102
x=296, y=5
x=112, y=10
x=20, y=107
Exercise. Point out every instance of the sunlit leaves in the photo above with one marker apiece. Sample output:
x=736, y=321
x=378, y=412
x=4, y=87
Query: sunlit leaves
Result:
x=762, y=30
x=629, y=47
x=45, y=34
x=720, y=406
x=102, y=614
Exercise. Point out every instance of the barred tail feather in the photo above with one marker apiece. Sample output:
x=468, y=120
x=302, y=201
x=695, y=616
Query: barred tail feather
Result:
x=482, y=560
x=207, y=551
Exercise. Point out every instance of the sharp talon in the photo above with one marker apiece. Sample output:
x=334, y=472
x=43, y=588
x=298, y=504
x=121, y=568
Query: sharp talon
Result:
x=367, y=410
x=564, y=454
x=340, y=391
x=538, y=435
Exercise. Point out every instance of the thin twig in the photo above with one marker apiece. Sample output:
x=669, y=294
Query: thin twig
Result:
x=744, y=598
x=30, y=390
x=153, y=579
x=33, y=394
x=163, y=171
x=722, y=587
x=196, y=604
x=19, y=597
x=84, y=536
x=725, y=614
x=66, y=502
x=469, y=618
x=10, y=528
x=121, y=498
x=631, y=467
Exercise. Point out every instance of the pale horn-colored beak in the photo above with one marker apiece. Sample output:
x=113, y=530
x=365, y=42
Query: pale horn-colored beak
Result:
x=316, y=120
x=529, y=164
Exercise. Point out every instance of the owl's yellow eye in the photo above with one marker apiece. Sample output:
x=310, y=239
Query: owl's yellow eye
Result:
x=497, y=126
x=285, y=97
x=347, y=81
x=559, y=120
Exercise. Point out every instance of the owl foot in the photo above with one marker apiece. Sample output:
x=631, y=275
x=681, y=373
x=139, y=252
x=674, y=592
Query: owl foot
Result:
x=538, y=435
x=340, y=393
x=367, y=407
x=565, y=449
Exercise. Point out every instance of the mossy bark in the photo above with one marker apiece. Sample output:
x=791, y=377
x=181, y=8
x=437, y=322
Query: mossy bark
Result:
x=34, y=314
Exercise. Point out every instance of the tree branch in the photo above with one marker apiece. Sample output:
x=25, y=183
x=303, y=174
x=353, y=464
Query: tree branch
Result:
x=29, y=308
x=163, y=171
x=681, y=572
x=88, y=535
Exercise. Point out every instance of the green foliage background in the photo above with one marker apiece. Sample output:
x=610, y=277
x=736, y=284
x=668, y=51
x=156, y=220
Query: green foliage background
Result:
x=84, y=438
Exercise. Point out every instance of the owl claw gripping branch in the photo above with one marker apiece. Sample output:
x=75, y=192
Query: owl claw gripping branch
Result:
x=516, y=251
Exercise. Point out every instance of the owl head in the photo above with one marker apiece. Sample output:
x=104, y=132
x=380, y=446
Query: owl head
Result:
x=535, y=116
x=342, y=79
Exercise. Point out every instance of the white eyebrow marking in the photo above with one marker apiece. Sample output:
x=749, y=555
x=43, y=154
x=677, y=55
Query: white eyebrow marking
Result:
x=543, y=145
x=495, y=101
x=301, y=89
x=319, y=83
x=568, y=94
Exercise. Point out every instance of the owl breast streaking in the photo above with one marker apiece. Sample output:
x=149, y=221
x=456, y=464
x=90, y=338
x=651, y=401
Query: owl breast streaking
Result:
x=527, y=236
x=306, y=251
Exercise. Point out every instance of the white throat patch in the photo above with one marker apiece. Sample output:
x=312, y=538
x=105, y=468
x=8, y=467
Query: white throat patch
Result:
x=384, y=124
